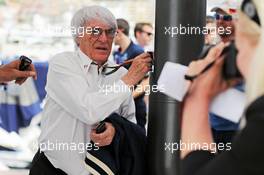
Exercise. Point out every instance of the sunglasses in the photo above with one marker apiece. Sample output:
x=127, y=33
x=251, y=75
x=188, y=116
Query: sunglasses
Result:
x=223, y=17
x=97, y=32
x=148, y=33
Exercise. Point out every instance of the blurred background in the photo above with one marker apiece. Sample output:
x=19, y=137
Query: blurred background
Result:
x=39, y=29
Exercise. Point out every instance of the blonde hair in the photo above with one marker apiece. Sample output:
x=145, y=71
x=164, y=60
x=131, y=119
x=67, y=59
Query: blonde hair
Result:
x=255, y=79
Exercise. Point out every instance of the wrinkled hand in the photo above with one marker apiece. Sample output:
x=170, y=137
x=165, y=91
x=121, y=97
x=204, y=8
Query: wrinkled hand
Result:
x=210, y=83
x=11, y=72
x=105, y=138
x=140, y=66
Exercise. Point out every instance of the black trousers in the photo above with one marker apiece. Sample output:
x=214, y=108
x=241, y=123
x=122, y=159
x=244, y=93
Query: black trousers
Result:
x=42, y=166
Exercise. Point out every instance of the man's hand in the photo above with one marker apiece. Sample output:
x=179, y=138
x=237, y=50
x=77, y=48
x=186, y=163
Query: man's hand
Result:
x=141, y=88
x=140, y=66
x=105, y=138
x=11, y=72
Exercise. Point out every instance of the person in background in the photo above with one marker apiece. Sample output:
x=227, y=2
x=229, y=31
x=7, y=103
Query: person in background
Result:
x=76, y=98
x=10, y=72
x=211, y=38
x=143, y=33
x=225, y=20
x=246, y=155
x=128, y=50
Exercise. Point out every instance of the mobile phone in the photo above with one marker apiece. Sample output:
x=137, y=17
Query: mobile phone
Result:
x=151, y=54
x=25, y=63
x=100, y=128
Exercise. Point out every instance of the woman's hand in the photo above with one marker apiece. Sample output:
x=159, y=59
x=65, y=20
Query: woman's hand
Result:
x=195, y=124
x=210, y=83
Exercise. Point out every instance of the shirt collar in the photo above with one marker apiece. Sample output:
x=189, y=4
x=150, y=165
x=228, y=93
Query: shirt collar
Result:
x=86, y=61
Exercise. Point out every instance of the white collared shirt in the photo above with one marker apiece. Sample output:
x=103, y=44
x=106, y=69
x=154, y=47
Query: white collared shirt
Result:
x=75, y=102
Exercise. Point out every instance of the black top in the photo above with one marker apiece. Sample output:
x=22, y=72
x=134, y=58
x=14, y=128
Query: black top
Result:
x=246, y=156
x=125, y=155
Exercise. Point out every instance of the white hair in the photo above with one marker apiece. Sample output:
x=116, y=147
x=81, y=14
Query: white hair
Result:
x=255, y=79
x=89, y=13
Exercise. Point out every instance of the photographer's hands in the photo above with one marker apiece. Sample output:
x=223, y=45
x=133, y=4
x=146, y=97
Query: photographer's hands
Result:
x=195, y=123
x=210, y=82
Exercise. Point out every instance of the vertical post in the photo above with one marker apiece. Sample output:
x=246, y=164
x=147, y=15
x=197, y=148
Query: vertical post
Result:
x=164, y=125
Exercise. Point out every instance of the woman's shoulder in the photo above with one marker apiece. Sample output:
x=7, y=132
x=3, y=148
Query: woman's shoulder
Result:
x=256, y=108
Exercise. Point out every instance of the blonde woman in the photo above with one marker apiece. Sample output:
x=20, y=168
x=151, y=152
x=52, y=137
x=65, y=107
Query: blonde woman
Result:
x=246, y=155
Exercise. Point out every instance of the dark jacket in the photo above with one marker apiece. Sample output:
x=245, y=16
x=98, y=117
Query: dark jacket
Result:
x=246, y=156
x=126, y=154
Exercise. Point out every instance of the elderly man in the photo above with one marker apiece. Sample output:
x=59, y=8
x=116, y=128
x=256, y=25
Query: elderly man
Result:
x=76, y=97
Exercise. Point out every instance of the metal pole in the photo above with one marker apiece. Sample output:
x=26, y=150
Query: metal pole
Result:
x=164, y=121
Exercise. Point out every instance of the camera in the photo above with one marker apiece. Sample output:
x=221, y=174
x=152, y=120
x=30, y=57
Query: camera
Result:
x=25, y=63
x=230, y=69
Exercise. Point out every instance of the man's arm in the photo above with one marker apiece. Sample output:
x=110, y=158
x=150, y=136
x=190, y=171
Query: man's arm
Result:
x=69, y=89
x=141, y=88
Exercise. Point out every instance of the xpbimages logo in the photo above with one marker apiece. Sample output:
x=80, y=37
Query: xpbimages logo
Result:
x=66, y=146
x=117, y=88
x=173, y=31
x=172, y=147
x=81, y=31
x=64, y=31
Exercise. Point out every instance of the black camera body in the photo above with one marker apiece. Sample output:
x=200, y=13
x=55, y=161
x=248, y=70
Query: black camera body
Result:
x=230, y=69
x=25, y=63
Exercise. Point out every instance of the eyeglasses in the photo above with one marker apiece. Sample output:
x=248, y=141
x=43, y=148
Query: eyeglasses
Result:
x=115, y=68
x=223, y=17
x=97, y=32
x=148, y=33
